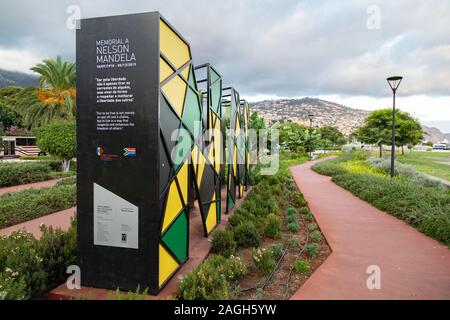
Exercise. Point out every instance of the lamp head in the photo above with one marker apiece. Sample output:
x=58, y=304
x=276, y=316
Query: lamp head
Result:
x=394, y=82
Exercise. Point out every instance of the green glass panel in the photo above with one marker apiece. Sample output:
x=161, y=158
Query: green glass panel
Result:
x=215, y=94
x=192, y=81
x=192, y=116
x=230, y=202
x=218, y=204
x=176, y=237
x=182, y=149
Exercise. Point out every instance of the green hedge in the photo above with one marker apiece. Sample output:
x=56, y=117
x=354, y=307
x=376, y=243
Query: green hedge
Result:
x=12, y=174
x=25, y=205
x=30, y=267
x=424, y=208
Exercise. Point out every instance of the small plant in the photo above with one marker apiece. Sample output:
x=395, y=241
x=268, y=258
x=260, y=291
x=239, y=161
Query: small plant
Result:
x=272, y=228
x=309, y=217
x=316, y=236
x=312, y=226
x=292, y=219
x=299, y=199
x=223, y=243
x=305, y=210
x=264, y=260
x=293, y=242
x=301, y=266
x=290, y=211
x=247, y=235
x=312, y=249
x=277, y=250
x=293, y=227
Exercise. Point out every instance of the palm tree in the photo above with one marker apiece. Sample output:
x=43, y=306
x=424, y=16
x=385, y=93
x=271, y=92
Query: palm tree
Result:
x=56, y=96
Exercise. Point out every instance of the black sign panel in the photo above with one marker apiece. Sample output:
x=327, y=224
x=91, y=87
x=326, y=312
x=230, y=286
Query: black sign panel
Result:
x=117, y=157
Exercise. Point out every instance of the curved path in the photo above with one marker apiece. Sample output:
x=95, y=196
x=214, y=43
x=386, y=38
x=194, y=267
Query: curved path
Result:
x=412, y=265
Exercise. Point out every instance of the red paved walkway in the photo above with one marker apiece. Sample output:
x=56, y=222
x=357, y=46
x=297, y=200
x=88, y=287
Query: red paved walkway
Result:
x=36, y=185
x=413, y=266
x=59, y=219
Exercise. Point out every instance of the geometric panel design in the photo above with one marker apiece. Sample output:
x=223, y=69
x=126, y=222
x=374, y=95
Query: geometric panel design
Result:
x=175, y=91
x=167, y=265
x=175, y=238
x=173, y=46
x=173, y=205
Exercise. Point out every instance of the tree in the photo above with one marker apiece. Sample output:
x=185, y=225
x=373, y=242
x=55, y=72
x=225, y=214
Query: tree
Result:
x=377, y=129
x=298, y=138
x=56, y=96
x=58, y=138
x=409, y=130
x=8, y=116
x=333, y=135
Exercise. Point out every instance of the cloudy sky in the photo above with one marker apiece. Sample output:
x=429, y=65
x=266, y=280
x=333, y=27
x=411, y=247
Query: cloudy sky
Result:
x=336, y=50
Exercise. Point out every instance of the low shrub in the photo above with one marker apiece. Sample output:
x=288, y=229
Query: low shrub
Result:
x=316, y=236
x=214, y=279
x=305, y=211
x=246, y=234
x=272, y=226
x=299, y=199
x=277, y=250
x=25, y=205
x=309, y=217
x=293, y=227
x=312, y=249
x=291, y=211
x=293, y=242
x=312, y=226
x=30, y=267
x=329, y=168
x=292, y=219
x=223, y=243
x=301, y=266
x=12, y=174
x=67, y=181
x=263, y=260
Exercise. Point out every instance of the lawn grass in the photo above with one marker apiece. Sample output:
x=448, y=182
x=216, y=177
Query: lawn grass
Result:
x=433, y=163
x=425, y=208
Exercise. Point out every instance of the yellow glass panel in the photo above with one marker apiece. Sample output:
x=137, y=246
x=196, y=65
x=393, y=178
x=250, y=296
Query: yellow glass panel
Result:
x=173, y=207
x=185, y=72
x=235, y=161
x=211, y=154
x=195, y=156
x=172, y=46
x=211, y=220
x=175, y=90
x=165, y=70
x=167, y=265
x=201, y=168
x=182, y=177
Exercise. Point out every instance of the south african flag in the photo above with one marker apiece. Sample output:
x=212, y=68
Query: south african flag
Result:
x=129, y=152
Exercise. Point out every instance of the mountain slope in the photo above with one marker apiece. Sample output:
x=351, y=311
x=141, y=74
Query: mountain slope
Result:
x=14, y=78
x=325, y=113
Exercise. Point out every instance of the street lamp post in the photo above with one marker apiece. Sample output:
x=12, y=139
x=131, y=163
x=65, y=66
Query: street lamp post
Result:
x=394, y=83
x=310, y=116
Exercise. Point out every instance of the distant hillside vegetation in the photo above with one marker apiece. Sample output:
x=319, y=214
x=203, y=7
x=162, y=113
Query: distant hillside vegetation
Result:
x=19, y=79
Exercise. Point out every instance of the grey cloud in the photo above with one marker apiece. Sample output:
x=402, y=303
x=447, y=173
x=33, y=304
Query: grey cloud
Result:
x=273, y=47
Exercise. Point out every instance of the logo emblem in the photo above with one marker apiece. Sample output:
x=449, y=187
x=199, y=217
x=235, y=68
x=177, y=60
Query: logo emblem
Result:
x=129, y=152
x=99, y=151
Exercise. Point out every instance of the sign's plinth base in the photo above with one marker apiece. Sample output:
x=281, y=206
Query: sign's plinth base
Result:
x=199, y=248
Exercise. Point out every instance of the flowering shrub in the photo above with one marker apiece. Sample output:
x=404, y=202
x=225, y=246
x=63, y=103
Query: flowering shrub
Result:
x=216, y=278
x=29, y=267
x=263, y=260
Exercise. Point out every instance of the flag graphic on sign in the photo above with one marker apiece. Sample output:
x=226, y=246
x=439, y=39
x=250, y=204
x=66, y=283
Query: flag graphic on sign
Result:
x=129, y=152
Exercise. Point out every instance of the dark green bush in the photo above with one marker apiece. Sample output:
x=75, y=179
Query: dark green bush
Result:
x=30, y=267
x=312, y=249
x=247, y=234
x=12, y=174
x=272, y=226
x=277, y=250
x=299, y=199
x=301, y=266
x=214, y=279
x=305, y=211
x=25, y=205
x=292, y=219
x=293, y=227
x=223, y=242
x=291, y=211
x=316, y=236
